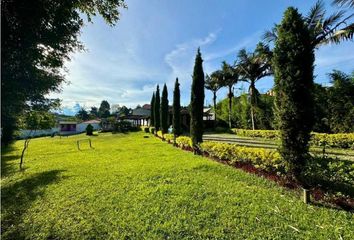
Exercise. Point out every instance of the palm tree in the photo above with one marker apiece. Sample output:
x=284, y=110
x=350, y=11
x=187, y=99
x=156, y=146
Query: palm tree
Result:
x=341, y=3
x=229, y=79
x=324, y=30
x=252, y=67
x=213, y=83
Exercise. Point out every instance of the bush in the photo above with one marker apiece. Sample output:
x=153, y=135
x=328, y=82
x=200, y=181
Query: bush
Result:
x=267, y=134
x=144, y=129
x=338, y=140
x=89, y=130
x=184, y=142
x=159, y=134
x=261, y=158
x=152, y=130
x=168, y=137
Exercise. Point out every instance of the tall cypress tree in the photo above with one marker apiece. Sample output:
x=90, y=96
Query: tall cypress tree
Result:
x=157, y=109
x=293, y=72
x=152, y=111
x=164, y=110
x=197, y=101
x=176, y=110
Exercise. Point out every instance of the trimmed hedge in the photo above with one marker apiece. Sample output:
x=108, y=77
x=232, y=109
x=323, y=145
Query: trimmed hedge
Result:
x=334, y=174
x=261, y=158
x=184, y=142
x=168, y=137
x=338, y=140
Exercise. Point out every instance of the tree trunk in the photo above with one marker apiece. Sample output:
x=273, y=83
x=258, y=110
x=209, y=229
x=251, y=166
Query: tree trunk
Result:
x=23, y=152
x=214, y=101
x=252, y=101
x=230, y=104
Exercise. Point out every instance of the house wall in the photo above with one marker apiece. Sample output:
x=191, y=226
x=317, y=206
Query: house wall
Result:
x=29, y=133
x=81, y=127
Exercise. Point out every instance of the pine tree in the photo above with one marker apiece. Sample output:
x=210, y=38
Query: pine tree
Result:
x=293, y=71
x=176, y=110
x=164, y=110
x=157, y=109
x=152, y=111
x=197, y=101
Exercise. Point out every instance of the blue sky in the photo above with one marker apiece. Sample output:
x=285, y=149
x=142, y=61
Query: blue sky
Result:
x=155, y=41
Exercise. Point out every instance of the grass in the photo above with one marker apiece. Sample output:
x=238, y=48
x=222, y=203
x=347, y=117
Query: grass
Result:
x=130, y=187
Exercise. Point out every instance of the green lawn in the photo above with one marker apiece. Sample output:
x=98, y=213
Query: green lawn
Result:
x=130, y=187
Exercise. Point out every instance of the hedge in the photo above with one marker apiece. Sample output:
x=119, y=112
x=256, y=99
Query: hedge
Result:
x=338, y=140
x=261, y=158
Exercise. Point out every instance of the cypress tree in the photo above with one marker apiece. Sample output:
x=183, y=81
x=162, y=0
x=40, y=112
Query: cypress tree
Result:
x=293, y=72
x=152, y=112
x=164, y=110
x=176, y=110
x=157, y=109
x=197, y=102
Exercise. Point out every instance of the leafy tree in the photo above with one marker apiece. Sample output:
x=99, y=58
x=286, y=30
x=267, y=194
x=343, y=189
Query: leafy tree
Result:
x=293, y=71
x=124, y=111
x=323, y=30
x=177, y=130
x=213, y=83
x=341, y=102
x=229, y=79
x=164, y=110
x=34, y=120
x=89, y=130
x=37, y=37
x=152, y=111
x=253, y=67
x=321, y=116
x=83, y=115
x=197, y=102
x=104, y=110
x=157, y=109
x=94, y=111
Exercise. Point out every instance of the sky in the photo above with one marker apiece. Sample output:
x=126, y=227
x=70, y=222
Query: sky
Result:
x=155, y=41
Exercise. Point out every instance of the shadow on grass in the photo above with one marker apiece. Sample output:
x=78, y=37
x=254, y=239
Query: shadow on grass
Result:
x=17, y=198
x=7, y=168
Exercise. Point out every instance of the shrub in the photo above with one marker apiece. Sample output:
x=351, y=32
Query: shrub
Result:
x=261, y=158
x=184, y=142
x=152, y=130
x=339, y=140
x=168, y=137
x=145, y=129
x=89, y=130
x=159, y=134
x=267, y=134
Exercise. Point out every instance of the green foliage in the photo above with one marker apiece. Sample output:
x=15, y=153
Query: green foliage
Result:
x=130, y=186
x=159, y=134
x=104, y=110
x=38, y=38
x=37, y=120
x=240, y=114
x=169, y=137
x=176, y=121
x=339, y=140
x=267, y=134
x=157, y=108
x=214, y=83
x=152, y=110
x=82, y=115
x=89, y=130
x=293, y=73
x=261, y=158
x=164, y=110
x=341, y=102
x=197, y=101
x=184, y=142
x=152, y=130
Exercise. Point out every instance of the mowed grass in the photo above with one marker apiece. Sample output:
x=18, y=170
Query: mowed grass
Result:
x=130, y=187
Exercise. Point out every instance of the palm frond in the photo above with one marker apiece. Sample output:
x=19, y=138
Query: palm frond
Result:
x=344, y=3
x=343, y=34
x=332, y=20
x=270, y=35
x=315, y=14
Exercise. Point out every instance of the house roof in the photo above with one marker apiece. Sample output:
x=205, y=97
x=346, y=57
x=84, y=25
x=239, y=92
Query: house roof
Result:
x=67, y=122
x=94, y=121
